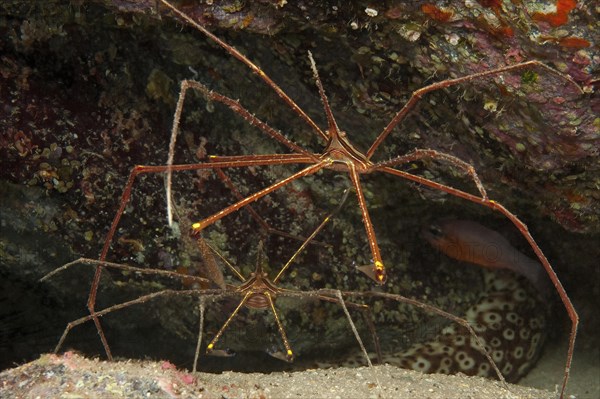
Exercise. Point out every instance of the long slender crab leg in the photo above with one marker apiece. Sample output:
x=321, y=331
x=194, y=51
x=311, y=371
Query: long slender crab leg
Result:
x=377, y=272
x=234, y=106
x=417, y=94
x=231, y=50
x=198, y=226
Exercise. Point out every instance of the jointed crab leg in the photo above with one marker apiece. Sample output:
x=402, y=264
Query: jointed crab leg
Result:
x=95, y=314
x=231, y=50
x=198, y=226
x=377, y=272
x=259, y=219
x=417, y=94
x=217, y=336
x=112, y=265
x=419, y=154
x=312, y=236
x=234, y=106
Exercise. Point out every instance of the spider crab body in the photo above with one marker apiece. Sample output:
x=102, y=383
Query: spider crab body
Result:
x=257, y=292
x=343, y=154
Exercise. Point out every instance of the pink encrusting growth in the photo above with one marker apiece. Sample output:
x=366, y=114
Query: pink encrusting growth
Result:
x=560, y=16
x=471, y=242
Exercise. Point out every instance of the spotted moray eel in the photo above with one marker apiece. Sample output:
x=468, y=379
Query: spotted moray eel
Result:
x=509, y=318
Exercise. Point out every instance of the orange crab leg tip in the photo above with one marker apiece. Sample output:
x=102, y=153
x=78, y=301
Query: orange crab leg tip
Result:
x=381, y=278
x=209, y=347
x=290, y=355
x=196, y=228
x=380, y=274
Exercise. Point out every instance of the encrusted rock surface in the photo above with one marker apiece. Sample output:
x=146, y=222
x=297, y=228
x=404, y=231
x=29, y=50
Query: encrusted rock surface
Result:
x=88, y=90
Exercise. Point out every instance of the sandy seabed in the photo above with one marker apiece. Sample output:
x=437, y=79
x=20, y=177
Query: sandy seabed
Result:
x=73, y=376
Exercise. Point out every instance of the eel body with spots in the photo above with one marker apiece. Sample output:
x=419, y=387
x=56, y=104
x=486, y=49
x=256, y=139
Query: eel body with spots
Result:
x=507, y=320
x=509, y=316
